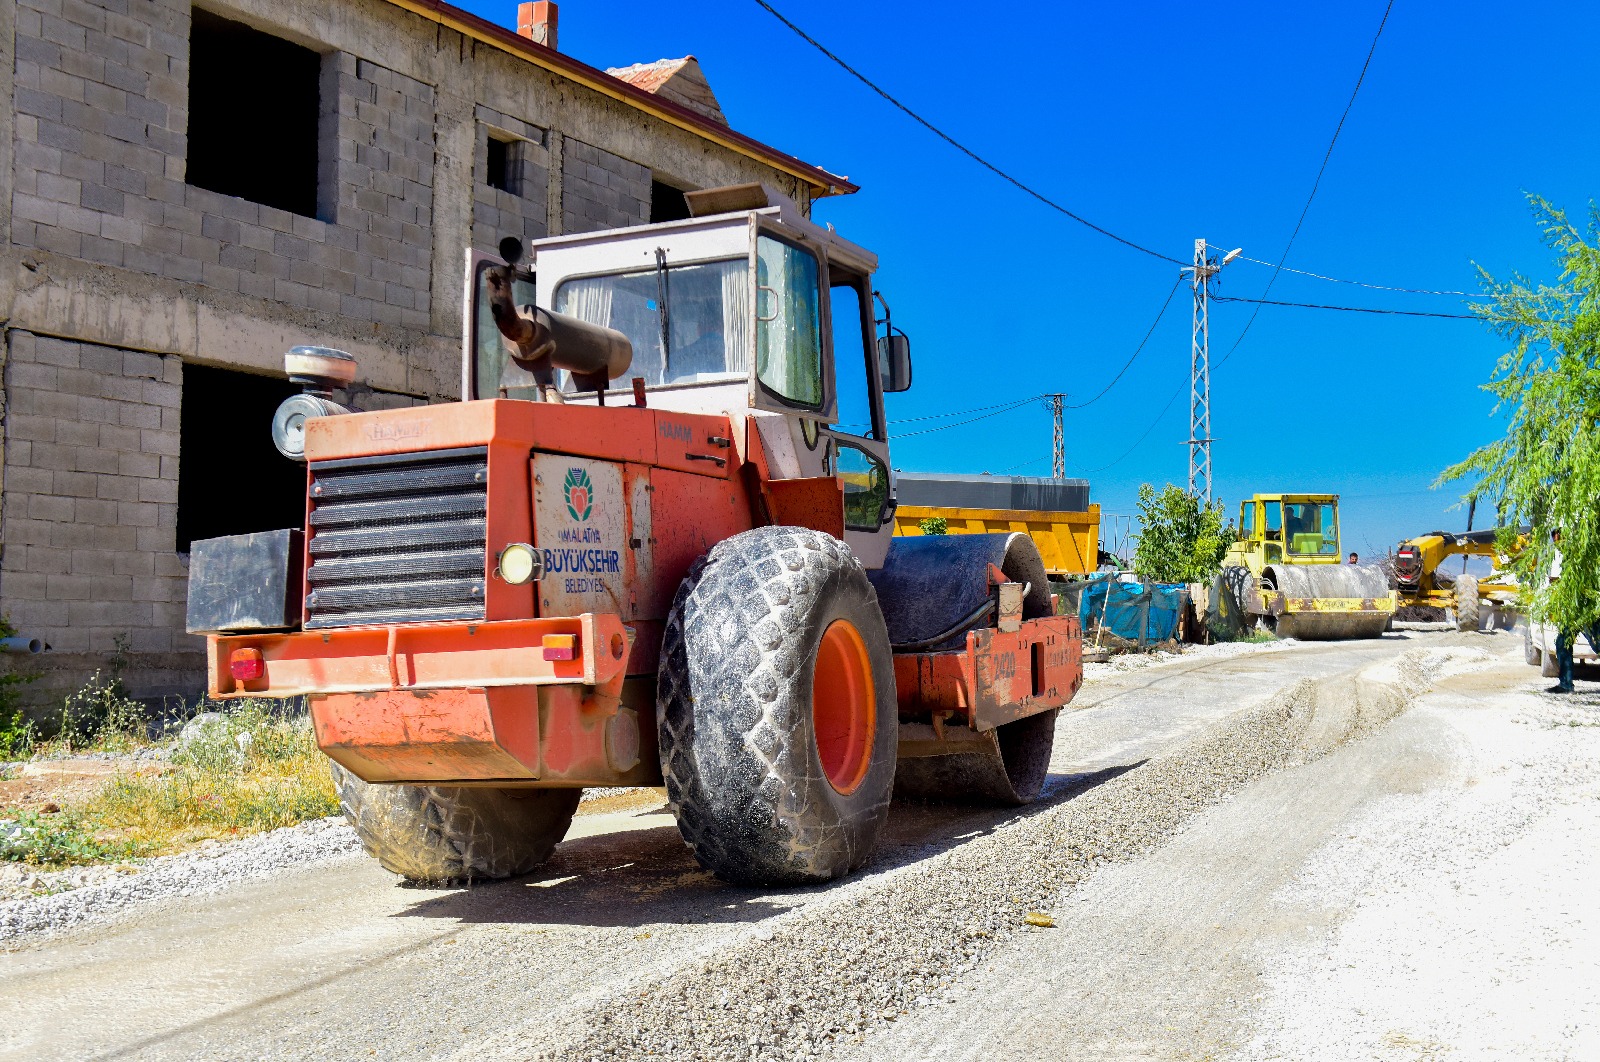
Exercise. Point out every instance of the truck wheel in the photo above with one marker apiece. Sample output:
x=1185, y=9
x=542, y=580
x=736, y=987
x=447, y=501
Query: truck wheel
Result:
x=429, y=833
x=1466, y=602
x=1549, y=661
x=777, y=709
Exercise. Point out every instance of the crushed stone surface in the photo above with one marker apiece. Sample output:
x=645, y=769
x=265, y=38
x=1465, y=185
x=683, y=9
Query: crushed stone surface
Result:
x=898, y=940
x=76, y=896
x=1472, y=930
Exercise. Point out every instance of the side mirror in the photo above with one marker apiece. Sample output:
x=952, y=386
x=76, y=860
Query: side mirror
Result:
x=894, y=361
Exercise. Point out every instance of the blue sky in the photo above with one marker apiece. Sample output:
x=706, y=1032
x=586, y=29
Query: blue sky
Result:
x=1166, y=122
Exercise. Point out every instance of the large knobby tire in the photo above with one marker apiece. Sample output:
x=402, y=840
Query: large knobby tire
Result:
x=429, y=833
x=777, y=710
x=1467, y=603
x=1229, y=620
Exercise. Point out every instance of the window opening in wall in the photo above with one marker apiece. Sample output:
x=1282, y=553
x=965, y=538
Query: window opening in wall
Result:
x=499, y=168
x=231, y=479
x=253, y=113
x=667, y=203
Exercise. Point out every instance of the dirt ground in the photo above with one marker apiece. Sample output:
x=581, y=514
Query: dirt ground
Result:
x=1362, y=850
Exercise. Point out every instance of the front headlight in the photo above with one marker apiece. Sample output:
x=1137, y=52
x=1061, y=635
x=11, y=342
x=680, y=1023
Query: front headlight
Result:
x=519, y=563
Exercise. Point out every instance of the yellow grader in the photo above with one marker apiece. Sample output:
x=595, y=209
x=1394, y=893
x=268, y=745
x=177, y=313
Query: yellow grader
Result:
x=1416, y=564
x=498, y=602
x=1287, y=573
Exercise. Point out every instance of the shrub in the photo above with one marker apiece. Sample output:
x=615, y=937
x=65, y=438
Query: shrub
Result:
x=933, y=525
x=1180, y=540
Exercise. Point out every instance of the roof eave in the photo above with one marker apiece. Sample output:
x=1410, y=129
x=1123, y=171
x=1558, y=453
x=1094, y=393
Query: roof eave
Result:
x=821, y=181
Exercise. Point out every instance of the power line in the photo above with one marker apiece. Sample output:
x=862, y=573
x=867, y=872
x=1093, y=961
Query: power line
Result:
x=1141, y=438
x=1137, y=349
x=1348, y=309
x=1364, y=284
x=1314, y=184
x=974, y=420
x=953, y=142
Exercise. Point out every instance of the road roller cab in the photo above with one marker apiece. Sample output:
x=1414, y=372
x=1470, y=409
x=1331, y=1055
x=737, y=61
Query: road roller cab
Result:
x=1288, y=573
x=652, y=545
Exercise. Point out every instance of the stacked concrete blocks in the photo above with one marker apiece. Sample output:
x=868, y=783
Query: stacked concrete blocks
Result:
x=600, y=190
x=520, y=209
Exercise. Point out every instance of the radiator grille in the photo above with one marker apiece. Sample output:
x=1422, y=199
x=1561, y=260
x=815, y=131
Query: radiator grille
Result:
x=398, y=539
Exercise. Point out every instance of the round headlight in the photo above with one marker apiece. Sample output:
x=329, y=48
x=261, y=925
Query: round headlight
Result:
x=289, y=422
x=518, y=563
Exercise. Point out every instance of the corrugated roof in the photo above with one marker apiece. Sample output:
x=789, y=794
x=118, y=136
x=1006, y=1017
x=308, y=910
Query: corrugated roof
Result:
x=668, y=110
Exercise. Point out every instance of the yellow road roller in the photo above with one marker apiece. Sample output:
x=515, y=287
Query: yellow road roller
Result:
x=1287, y=573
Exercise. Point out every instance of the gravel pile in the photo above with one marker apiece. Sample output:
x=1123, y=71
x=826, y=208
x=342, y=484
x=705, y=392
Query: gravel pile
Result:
x=899, y=938
x=80, y=895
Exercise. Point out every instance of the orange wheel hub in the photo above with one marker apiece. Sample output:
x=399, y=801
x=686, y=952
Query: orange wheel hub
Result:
x=844, y=715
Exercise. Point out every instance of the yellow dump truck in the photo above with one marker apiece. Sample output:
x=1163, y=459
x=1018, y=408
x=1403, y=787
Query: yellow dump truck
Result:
x=1056, y=514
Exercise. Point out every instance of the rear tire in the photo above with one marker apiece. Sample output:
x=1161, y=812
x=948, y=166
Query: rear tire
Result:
x=1467, y=603
x=436, y=834
x=777, y=710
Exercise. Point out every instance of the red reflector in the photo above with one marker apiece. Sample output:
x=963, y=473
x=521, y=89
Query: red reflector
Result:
x=247, y=665
x=560, y=646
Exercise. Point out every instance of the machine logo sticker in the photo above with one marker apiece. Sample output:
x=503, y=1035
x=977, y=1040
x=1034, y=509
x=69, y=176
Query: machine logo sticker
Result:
x=579, y=493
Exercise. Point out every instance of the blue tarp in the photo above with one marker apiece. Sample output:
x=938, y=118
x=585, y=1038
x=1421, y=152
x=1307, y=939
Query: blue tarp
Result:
x=1145, y=613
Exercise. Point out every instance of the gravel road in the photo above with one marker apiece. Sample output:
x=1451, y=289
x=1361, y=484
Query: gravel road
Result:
x=622, y=947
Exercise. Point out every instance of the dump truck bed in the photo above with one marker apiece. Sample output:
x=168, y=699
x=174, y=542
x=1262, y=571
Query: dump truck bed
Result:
x=1069, y=542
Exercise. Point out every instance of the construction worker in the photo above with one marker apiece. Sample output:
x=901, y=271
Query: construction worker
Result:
x=1568, y=637
x=1353, y=558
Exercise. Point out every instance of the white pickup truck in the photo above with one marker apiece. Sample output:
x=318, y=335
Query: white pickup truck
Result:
x=1539, y=648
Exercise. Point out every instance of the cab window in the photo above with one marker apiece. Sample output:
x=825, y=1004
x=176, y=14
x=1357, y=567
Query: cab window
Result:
x=788, y=326
x=850, y=356
x=703, y=309
x=1274, y=521
x=1309, y=529
x=866, y=487
x=495, y=375
x=1247, y=519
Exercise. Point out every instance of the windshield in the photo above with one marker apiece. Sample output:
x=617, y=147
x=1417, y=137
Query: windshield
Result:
x=1310, y=529
x=703, y=310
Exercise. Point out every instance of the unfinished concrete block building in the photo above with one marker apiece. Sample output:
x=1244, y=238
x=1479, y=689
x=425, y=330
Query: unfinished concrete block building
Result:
x=192, y=189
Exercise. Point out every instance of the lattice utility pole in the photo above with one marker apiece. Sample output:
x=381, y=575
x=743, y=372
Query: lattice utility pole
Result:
x=1058, y=450
x=1205, y=267
x=1200, y=379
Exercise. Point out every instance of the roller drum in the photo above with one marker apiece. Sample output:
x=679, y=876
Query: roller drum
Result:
x=1329, y=580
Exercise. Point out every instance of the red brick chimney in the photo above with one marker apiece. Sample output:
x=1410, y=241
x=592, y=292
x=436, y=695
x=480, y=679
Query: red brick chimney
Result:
x=537, y=22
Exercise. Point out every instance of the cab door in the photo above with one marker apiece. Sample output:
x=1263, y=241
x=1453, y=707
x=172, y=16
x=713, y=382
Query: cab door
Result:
x=858, y=432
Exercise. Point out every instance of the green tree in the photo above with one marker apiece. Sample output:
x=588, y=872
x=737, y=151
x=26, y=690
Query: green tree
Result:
x=1180, y=540
x=1545, y=471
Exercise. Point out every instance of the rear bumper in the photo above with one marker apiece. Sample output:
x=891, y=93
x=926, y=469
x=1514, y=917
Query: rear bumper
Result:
x=421, y=656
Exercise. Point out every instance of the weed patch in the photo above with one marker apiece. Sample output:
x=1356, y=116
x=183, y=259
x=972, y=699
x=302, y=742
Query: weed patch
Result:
x=244, y=769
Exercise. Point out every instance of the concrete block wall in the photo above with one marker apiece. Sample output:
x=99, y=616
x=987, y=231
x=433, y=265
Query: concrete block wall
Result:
x=600, y=190
x=523, y=208
x=101, y=99
x=109, y=245
x=90, y=507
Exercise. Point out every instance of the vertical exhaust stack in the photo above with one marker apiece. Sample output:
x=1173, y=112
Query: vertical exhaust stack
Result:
x=537, y=22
